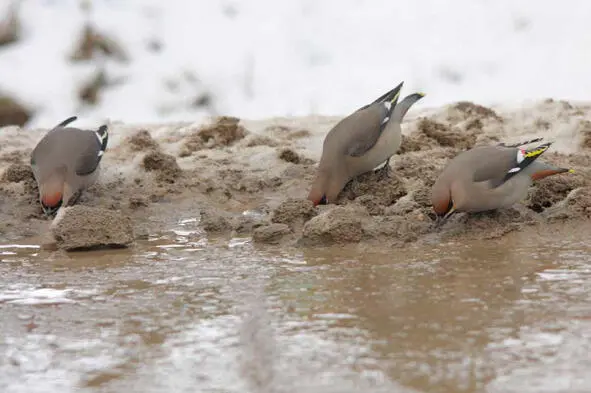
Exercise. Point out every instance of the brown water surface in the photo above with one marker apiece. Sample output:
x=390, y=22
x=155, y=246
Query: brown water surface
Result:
x=184, y=313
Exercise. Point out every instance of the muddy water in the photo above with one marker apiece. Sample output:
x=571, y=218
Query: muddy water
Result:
x=183, y=313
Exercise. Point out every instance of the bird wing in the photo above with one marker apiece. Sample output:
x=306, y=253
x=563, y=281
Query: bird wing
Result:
x=92, y=146
x=363, y=128
x=491, y=162
x=498, y=164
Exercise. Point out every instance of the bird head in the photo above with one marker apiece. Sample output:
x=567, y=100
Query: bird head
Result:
x=51, y=192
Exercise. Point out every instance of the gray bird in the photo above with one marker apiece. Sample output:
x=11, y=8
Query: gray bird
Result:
x=489, y=178
x=359, y=143
x=65, y=162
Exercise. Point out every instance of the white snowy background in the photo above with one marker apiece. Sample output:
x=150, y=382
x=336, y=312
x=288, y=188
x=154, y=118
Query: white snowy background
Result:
x=262, y=58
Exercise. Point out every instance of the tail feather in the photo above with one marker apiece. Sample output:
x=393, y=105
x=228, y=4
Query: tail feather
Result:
x=391, y=97
x=525, y=158
x=66, y=122
x=522, y=143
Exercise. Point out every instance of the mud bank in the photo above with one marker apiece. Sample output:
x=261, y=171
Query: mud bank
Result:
x=250, y=178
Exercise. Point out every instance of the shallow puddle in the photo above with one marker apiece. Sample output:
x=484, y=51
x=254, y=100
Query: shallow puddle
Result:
x=184, y=313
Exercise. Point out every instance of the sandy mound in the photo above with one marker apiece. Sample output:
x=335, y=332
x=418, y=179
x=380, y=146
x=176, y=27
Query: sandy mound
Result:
x=341, y=224
x=270, y=234
x=164, y=165
x=82, y=227
x=142, y=141
x=293, y=212
x=223, y=132
x=251, y=178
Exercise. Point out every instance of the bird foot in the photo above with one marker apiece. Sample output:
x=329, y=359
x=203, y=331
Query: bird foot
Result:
x=73, y=199
x=384, y=171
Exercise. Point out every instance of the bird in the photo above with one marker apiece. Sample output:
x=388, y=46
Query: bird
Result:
x=359, y=143
x=489, y=177
x=65, y=162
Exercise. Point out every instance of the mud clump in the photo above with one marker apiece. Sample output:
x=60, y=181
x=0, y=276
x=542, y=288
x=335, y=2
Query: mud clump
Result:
x=13, y=113
x=82, y=228
x=422, y=196
x=471, y=110
x=414, y=142
x=92, y=42
x=164, y=165
x=137, y=202
x=17, y=173
x=289, y=155
x=271, y=234
x=371, y=203
x=399, y=229
x=215, y=221
x=445, y=136
x=224, y=132
x=260, y=140
x=341, y=224
x=577, y=204
x=551, y=190
x=294, y=212
x=415, y=167
x=491, y=224
x=246, y=224
x=142, y=141
x=386, y=189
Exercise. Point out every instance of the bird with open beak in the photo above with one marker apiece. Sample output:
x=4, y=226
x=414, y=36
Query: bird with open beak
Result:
x=489, y=178
x=359, y=143
x=65, y=162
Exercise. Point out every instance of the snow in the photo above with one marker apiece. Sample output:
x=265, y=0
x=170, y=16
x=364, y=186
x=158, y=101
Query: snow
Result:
x=264, y=58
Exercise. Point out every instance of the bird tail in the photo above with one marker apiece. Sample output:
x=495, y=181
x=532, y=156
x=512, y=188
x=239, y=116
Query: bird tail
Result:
x=66, y=122
x=103, y=135
x=522, y=143
x=390, y=97
x=526, y=158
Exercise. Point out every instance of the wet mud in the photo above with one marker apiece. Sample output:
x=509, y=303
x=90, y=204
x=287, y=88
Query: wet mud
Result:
x=250, y=178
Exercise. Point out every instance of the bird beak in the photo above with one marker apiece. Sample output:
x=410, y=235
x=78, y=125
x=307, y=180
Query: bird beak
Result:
x=50, y=210
x=441, y=220
x=449, y=213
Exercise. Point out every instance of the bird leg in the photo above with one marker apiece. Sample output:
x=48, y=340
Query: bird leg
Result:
x=384, y=171
x=74, y=198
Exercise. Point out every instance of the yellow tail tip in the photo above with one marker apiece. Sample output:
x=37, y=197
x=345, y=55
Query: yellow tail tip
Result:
x=571, y=171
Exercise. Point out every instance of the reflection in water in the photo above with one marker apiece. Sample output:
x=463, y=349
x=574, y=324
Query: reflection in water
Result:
x=184, y=313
